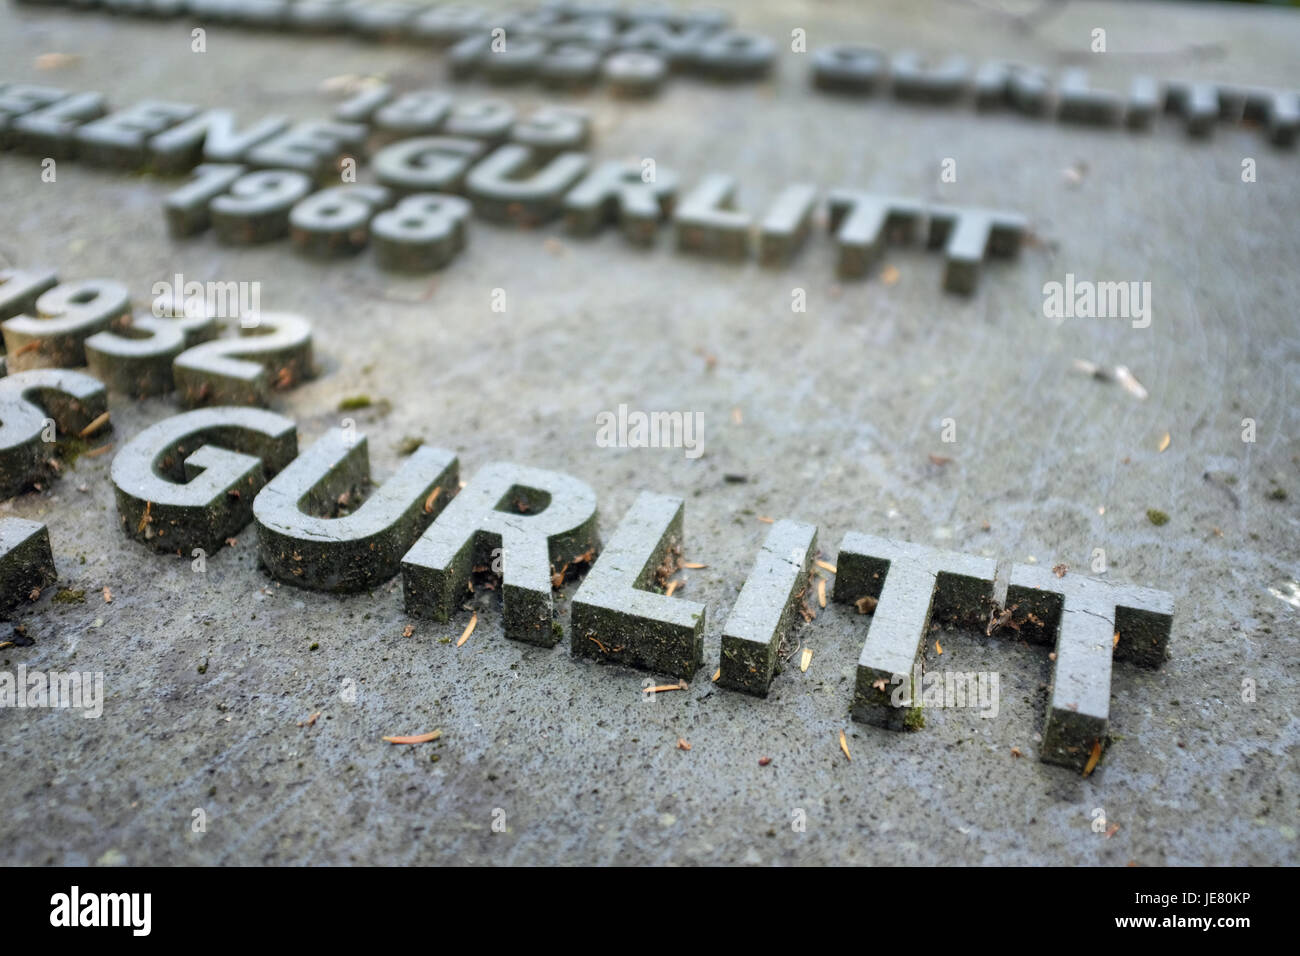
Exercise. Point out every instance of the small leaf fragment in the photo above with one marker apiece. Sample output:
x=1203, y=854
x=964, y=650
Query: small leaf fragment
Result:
x=94, y=426
x=1130, y=382
x=469, y=629
x=662, y=688
x=1093, y=758
x=417, y=739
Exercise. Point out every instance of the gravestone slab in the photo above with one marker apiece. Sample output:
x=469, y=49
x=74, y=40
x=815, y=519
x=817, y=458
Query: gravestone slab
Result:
x=836, y=415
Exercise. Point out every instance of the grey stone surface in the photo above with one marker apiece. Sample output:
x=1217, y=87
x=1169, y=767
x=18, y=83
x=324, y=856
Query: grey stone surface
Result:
x=214, y=11
x=525, y=524
x=516, y=62
x=423, y=232
x=841, y=406
x=300, y=539
x=849, y=68
x=617, y=193
x=415, y=113
x=968, y=236
x=256, y=207
x=274, y=353
x=786, y=224
x=19, y=99
x=384, y=19
x=51, y=131
x=1023, y=87
x=137, y=360
x=634, y=73
x=360, y=106
x=127, y=7
x=489, y=119
x=527, y=22
x=262, y=14
x=553, y=129
x=1281, y=112
x=509, y=186
x=187, y=209
x=26, y=561
x=1078, y=101
x=213, y=136
x=122, y=137
x=766, y=607
x=706, y=220
x=444, y=24
x=317, y=16
x=466, y=55
x=1143, y=102
x=1086, y=621
x=734, y=55
x=914, y=589
x=569, y=66
x=426, y=163
x=29, y=402
x=311, y=147
x=189, y=481
x=54, y=334
x=676, y=43
x=596, y=32
x=704, y=17
x=862, y=223
x=618, y=618
x=930, y=80
x=20, y=289
x=336, y=221
x=1197, y=104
